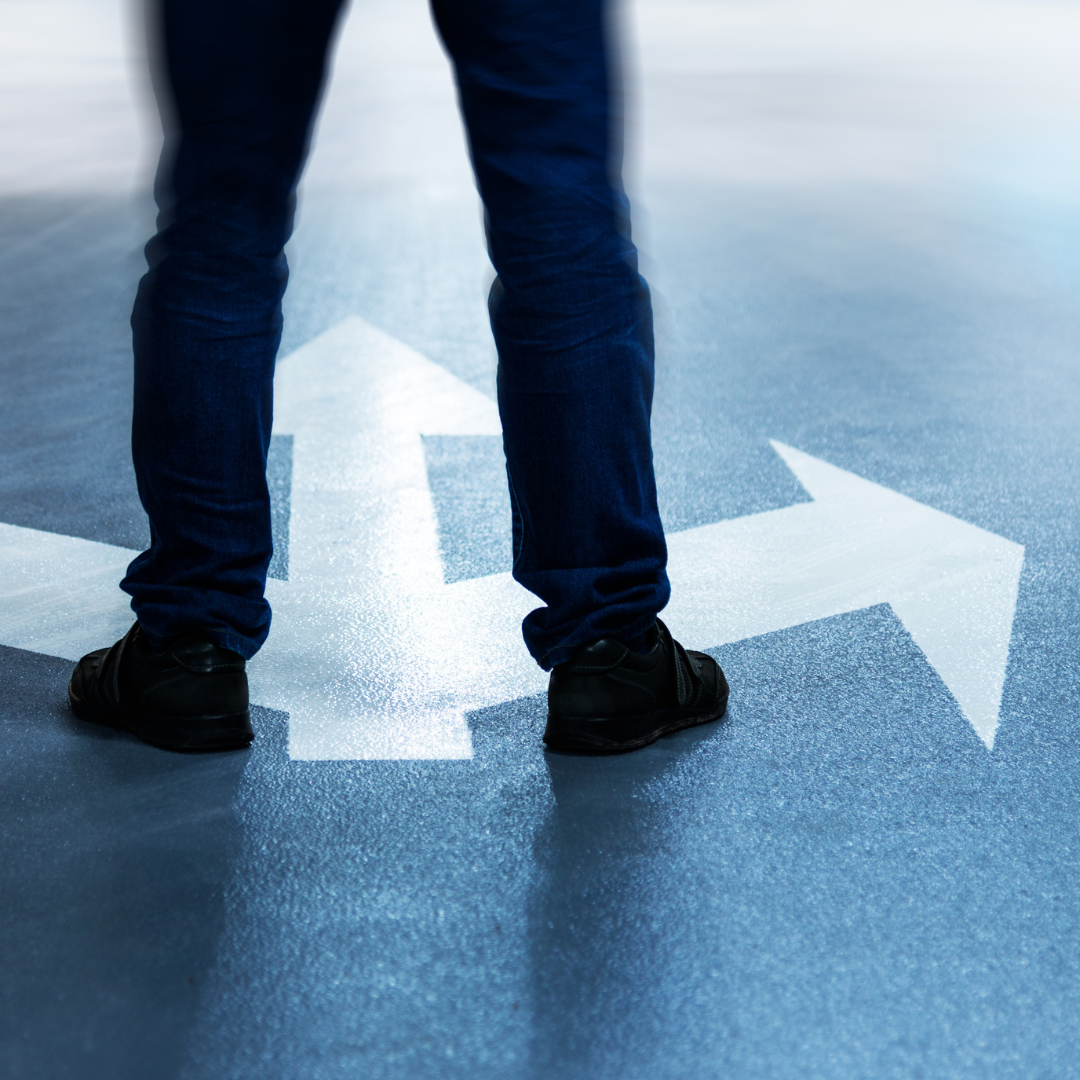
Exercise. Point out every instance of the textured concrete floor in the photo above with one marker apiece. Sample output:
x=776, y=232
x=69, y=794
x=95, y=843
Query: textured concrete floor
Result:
x=862, y=227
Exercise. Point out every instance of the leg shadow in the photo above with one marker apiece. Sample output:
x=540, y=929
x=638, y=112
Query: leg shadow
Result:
x=115, y=859
x=603, y=910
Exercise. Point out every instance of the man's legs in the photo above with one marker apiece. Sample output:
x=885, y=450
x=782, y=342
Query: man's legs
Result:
x=570, y=313
x=569, y=310
x=572, y=322
x=241, y=79
x=238, y=82
x=573, y=327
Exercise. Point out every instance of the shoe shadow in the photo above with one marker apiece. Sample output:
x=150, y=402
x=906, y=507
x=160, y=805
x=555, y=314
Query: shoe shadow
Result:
x=116, y=856
x=597, y=918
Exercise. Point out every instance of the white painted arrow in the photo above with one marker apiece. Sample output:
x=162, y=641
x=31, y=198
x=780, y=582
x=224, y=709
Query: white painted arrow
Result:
x=952, y=585
x=371, y=653
x=373, y=656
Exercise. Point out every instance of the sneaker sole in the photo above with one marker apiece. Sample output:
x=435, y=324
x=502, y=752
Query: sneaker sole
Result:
x=194, y=733
x=585, y=734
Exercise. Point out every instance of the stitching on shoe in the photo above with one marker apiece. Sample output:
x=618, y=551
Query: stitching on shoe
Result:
x=683, y=678
x=121, y=648
x=602, y=667
x=179, y=677
x=224, y=665
x=615, y=676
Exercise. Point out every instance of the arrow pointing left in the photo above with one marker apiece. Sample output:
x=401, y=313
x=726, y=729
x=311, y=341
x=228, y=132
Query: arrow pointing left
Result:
x=58, y=594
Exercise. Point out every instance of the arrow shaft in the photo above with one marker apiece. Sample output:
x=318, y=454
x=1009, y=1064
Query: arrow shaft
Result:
x=58, y=594
x=367, y=651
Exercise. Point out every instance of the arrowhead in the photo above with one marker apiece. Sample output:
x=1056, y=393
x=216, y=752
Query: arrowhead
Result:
x=355, y=376
x=953, y=585
x=58, y=594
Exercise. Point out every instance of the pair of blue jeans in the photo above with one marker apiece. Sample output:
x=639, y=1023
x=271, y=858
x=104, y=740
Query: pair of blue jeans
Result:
x=239, y=82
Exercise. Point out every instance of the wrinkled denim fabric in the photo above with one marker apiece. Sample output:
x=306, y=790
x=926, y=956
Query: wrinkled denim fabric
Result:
x=239, y=83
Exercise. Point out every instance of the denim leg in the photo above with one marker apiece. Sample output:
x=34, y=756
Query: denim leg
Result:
x=570, y=313
x=238, y=82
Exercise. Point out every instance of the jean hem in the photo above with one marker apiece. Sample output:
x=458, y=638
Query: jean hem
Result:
x=216, y=635
x=561, y=653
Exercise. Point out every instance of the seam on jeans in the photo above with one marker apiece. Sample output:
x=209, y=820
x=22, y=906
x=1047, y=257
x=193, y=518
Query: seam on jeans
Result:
x=517, y=522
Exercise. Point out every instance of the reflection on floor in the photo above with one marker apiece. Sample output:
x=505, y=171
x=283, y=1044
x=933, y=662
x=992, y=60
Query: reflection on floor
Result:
x=860, y=223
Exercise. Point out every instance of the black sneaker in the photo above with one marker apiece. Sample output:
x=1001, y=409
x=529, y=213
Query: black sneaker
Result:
x=607, y=698
x=192, y=696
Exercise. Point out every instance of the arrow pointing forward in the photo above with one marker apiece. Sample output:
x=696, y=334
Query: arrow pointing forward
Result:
x=374, y=656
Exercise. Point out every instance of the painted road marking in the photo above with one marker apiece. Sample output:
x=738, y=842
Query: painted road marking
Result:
x=375, y=657
x=952, y=585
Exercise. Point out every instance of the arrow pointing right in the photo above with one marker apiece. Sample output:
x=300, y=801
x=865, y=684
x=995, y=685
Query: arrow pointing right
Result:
x=952, y=585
